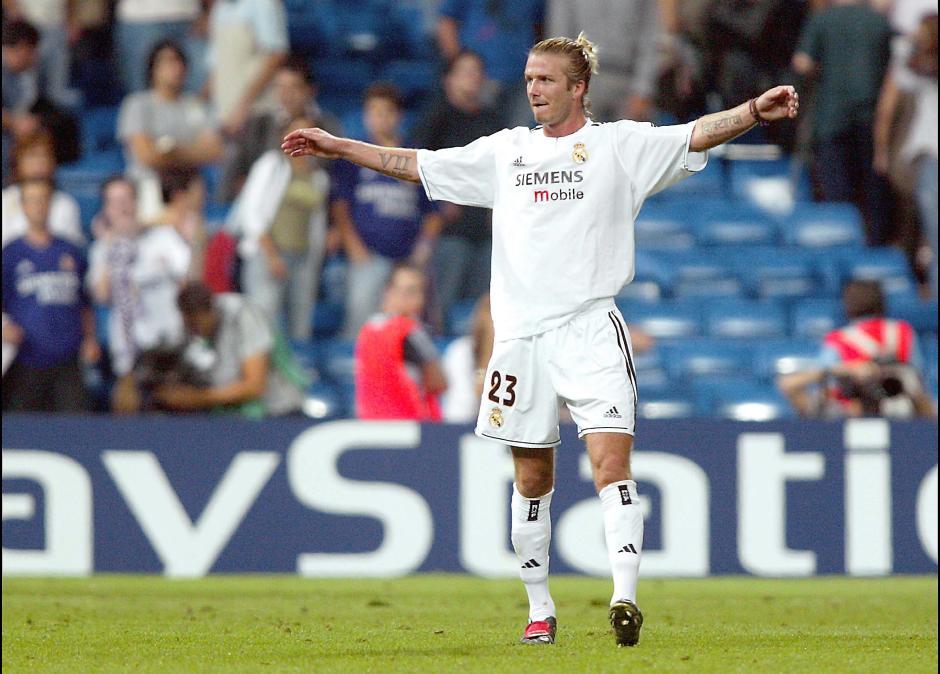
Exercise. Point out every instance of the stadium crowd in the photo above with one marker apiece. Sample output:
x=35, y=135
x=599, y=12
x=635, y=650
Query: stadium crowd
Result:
x=161, y=253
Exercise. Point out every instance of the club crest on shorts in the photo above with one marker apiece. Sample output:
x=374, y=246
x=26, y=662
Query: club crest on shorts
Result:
x=579, y=154
x=496, y=417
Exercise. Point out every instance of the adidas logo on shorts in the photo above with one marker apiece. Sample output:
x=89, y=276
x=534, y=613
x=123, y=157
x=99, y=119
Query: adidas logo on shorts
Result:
x=612, y=413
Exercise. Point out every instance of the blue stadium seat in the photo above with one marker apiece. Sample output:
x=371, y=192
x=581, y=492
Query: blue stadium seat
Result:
x=700, y=274
x=415, y=79
x=778, y=357
x=887, y=265
x=928, y=343
x=333, y=279
x=726, y=287
x=323, y=401
x=825, y=225
x=99, y=129
x=667, y=406
x=769, y=272
x=313, y=27
x=745, y=320
x=662, y=227
x=734, y=225
x=87, y=174
x=743, y=173
x=920, y=314
x=414, y=32
x=343, y=76
x=692, y=358
x=328, y=318
x=354, y=126
x=338, y=362
x=460, y=317
x=650, y=266
x=642, y=290
x=307, y=353
x=664, y=320
x=89, y=204
x=748, y=401
x=813, y=318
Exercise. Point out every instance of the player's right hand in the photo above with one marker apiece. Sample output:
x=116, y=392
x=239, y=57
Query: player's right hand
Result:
x=313, y=142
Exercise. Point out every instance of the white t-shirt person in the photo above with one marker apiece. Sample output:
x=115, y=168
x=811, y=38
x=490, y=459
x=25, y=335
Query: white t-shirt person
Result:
x=563, y=210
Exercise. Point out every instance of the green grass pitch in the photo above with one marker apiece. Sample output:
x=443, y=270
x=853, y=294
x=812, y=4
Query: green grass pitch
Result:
x=442, y=623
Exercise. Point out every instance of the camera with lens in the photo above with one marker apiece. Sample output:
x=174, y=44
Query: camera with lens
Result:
x=888, y=393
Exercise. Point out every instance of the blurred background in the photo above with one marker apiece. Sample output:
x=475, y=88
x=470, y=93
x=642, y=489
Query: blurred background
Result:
x=140, y=142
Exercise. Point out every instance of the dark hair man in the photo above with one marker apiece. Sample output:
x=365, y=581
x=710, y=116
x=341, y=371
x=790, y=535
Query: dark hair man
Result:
x=871, y=366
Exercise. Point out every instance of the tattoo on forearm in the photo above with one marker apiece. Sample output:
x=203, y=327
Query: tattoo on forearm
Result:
x=721, y=124
x=396, y=164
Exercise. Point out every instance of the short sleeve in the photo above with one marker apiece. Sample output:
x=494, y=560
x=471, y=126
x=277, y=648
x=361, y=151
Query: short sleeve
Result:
x=271, y=26
x=462, y=175
x=419, y=347
x=131, y=117
x=254, y=333
x=656, y=157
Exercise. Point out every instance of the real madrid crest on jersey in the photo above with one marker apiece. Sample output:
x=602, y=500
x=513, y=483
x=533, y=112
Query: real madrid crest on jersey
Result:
x=579, y=154
x=496, y=417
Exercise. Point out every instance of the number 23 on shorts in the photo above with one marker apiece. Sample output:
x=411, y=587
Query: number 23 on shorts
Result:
x=509, y=393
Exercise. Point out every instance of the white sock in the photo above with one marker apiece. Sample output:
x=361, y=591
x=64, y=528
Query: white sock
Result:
x=531, y=536
x=623, y=529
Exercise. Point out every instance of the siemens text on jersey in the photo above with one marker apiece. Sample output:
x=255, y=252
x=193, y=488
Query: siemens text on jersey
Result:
x=552, y=178
x=548, y=177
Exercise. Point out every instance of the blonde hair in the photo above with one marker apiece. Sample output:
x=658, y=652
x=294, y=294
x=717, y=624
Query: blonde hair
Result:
x=582, y=60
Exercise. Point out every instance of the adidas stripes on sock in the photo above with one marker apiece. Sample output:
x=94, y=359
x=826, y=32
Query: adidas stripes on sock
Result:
x=531, y=536
x=623, y=530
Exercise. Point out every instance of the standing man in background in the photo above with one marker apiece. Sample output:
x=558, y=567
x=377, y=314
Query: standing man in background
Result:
x=564, y=197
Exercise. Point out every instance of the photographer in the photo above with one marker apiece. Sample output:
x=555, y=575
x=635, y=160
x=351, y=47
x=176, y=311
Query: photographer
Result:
x=870, y=367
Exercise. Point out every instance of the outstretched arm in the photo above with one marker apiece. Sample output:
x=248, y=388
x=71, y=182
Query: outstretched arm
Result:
x=397, y=162
x=774, y=104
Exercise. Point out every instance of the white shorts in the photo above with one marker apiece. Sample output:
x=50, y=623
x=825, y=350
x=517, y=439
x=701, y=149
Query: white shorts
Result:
x=587, y=364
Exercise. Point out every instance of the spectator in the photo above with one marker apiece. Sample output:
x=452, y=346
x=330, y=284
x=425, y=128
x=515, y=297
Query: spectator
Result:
x=137, y=272
x=846, y=47
x=33, y=158
x=381, y=220
x=57, y=22
x=47, y=312
x=872, y=366
x=184, y=194
x=749, y=44
x=460, y=263
x=141, y=25
x=623, y=88
x=27, y=104
x=914, y=72
x=249, y=369
x=398, y=375
x=20, y=88
x=282, y=217
x=247, y=44
x=164, y=129
x=295, y=96
x=501, y=32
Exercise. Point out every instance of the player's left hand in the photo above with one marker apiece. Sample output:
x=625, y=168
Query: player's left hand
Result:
x=778, y=103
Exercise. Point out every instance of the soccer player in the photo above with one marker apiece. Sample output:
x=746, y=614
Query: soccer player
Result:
x=564, y=197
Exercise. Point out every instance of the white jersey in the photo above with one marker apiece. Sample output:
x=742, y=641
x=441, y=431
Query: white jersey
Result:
x=563, y=210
